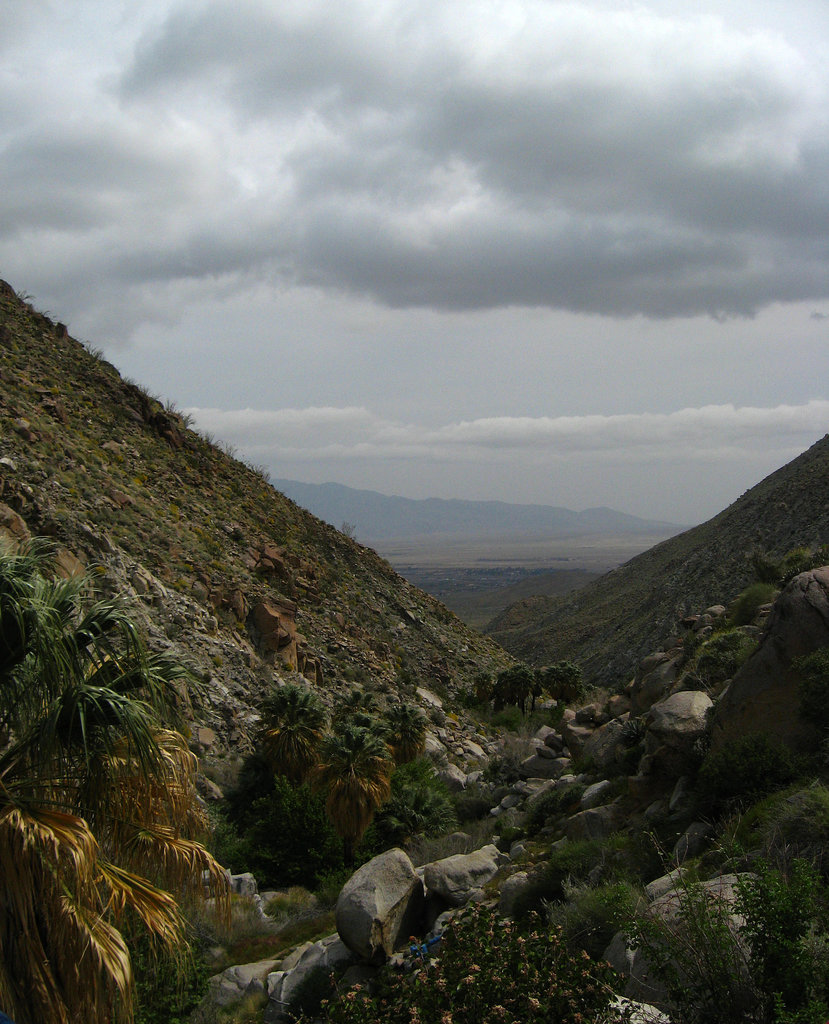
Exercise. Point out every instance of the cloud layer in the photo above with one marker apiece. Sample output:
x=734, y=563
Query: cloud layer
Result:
x=591, y=157
x=276, y=435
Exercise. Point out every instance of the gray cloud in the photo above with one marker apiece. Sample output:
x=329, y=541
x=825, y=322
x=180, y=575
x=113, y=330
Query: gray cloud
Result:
x=581, y=158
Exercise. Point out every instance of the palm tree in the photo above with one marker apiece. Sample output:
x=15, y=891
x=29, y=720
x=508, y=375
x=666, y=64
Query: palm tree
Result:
x=294, y=719
x=354, y=770
x=406, y=732
x=97, y=799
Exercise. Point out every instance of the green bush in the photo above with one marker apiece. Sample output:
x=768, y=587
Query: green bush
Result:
x=572, y=861
x=744, y=771
x=744, y=609
x=591, y=915
x=557, y=802
x=487, y=971
x=761, y=960
x=278, y=830
x=720, y=657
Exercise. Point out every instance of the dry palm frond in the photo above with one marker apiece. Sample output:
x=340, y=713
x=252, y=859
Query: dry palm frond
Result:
x=59, y=964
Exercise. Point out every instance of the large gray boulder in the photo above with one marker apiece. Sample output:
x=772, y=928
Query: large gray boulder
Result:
x=608, y=744
x=380, y=906
x=674, y=725
x=763, y=695
x=460, y=878
x=284, y=985
x=236, y=982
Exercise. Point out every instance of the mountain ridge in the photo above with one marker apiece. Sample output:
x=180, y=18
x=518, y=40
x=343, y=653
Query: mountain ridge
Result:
x=376, y=516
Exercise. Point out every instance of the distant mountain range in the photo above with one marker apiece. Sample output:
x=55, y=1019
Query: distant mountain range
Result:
x=379, y=517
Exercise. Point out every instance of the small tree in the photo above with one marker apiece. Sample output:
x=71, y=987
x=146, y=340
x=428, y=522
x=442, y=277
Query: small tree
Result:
x=513, y=686
x=293, y=719
x=354, y=772
x=405, y=732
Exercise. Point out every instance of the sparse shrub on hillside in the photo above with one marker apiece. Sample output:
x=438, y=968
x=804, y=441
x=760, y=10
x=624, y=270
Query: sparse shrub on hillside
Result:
x=814, y=688
x=719, y=658
x=744, y=609
x=486, y=971
x=745, y=770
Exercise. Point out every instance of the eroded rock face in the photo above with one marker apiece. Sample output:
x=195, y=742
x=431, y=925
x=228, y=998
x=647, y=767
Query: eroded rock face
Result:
x=763, y=695
x=380, y=906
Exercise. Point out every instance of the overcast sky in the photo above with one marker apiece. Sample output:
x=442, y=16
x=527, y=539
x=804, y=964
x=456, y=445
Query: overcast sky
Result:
x=567, y=253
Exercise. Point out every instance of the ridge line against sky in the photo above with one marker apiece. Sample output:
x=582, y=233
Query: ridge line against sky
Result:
x=552, y=252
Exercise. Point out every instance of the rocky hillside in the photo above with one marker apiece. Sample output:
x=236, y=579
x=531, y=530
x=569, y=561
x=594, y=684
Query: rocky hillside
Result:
x=609, y=625
x=245, y=585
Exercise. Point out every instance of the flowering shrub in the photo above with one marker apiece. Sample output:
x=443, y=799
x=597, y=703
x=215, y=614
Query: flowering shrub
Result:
x=486, y=971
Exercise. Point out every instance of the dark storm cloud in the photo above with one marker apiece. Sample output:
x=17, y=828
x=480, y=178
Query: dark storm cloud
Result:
x=571, y=157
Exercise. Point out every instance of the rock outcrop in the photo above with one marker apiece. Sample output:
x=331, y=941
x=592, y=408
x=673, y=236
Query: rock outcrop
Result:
x=763, y=695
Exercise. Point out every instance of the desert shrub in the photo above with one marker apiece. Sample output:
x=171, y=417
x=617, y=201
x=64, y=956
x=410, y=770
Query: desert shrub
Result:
x=814, y=687
x=802, y=559
x=782, y=912
x=744, y=608
x=167, y=989
x=766, y=569
x=761, y=960
x=486, y=971
x=554, y=804
x=473, y=803
x=722, y=655
x=570, y=862
x=790, y=825
x=590, y=916
x=744, y=771
x=507, y=718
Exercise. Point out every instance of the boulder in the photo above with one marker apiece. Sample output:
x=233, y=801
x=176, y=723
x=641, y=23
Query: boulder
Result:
x=595, y=823
x=453, y=777
x=460, y=878
x=763, y=695
x=544, y=766
x=596, y=794
x=674, y=726
x=243, y=979
x=284, y=985
x=576, y=736
x=656, y=675
x=380, y=906
x=608, y=744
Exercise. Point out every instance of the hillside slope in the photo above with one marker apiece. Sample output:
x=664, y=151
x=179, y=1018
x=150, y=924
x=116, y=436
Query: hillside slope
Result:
x=242, y=583
x=607, y=626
